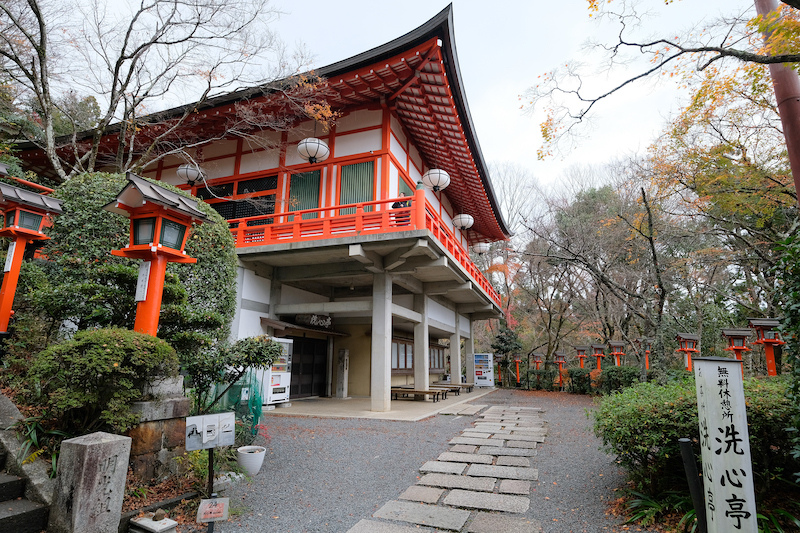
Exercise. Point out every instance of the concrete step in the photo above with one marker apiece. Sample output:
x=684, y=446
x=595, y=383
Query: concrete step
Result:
x=11, y=487
x=23, y=516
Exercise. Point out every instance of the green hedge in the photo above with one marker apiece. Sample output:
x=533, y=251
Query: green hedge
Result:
x=642, y=424
x=616, y=378
x=544, y=379
x=580, y=380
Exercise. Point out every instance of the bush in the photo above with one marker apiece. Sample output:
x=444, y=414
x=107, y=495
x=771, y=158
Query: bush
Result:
x=544, y=379
x=89, y=382
x=580, y=380
x=642, y=424
x=616, y=378
x=226, y=367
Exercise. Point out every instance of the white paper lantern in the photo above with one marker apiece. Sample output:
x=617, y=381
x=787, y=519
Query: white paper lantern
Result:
x=189, y=173
x=481, y=248
x=313, y=150
x=436, y=178
x=463, y=221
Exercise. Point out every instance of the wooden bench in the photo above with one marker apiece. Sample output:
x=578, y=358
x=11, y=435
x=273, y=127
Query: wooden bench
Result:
x=447, y=387
x=467, y=386
x=397, y=391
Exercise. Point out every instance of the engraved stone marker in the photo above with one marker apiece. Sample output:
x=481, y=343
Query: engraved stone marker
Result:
x=91, y=484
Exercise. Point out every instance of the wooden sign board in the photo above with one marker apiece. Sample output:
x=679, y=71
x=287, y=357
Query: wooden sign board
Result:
x=725, y=446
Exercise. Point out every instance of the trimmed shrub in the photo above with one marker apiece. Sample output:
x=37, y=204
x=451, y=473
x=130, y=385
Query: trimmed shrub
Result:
x=89, y=382
x=616, y=378
x=580, y=380
x=642, y=424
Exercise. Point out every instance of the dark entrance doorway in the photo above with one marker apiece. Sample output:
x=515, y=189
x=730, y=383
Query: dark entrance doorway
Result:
x=309, y=367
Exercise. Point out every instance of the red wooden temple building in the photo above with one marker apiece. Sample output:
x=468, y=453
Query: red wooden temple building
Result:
x=324, y=257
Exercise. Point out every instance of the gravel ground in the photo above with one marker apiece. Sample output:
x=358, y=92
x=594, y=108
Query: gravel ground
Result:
x=323, y=475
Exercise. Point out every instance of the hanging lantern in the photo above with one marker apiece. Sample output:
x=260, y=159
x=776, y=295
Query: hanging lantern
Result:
x=481, y=248
x=189, y=173
x=436, y=178
x=463, y=221
x=313, y=150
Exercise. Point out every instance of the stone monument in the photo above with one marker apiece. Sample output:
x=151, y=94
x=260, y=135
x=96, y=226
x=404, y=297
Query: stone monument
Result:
x=91, y=484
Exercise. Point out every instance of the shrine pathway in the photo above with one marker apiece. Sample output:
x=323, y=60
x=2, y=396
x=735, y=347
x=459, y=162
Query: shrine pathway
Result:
x=513, y=461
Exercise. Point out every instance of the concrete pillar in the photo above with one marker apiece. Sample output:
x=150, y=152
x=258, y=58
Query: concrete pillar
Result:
x=422, y=356
x=90, y=485
x=455, y=352
x=469, y=352
x=381, y=373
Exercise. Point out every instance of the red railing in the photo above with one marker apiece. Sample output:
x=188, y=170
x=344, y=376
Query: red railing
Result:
x=355, y=219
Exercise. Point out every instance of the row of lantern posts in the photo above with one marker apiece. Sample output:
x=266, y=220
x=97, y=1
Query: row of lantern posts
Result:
x=688, y=345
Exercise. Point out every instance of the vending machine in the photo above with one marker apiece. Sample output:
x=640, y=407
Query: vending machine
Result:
x=484, y=370
x=275, y=379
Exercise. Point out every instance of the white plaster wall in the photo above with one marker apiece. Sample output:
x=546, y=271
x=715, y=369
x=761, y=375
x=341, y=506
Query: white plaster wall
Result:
x=432, y=199
x=441, y=313
x=416, y=158
x=255, y=287
x=292, y=295
x=464, y=321
x=394, y=180
x=398, y=151
x=255, y=161
x=364, y=118
x=397, y=129
x=357, y=143
x=219, y=148
x=249, y=325
x=219, y=168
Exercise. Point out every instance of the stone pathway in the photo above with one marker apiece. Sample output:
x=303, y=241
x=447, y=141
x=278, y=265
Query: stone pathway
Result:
x=481, y=485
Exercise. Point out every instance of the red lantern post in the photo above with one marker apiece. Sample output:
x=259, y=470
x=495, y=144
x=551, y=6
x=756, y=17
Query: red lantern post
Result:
x=160, y=222
x=688, y=344
x=581, y=353
x=737, y=342
x=560, y=359
x=616, y=351
x=648, y=346
x=26, y=215
x=769, y=338
x=537, y=358
x=517, y=360
x=598, y=350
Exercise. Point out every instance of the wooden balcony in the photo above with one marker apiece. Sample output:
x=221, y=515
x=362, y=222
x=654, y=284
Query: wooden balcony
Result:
x=352, y=220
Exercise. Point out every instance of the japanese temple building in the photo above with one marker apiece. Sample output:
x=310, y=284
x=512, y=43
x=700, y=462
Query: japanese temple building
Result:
x=326, y=260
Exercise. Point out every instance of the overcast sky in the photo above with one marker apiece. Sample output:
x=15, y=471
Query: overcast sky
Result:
x=502, y=47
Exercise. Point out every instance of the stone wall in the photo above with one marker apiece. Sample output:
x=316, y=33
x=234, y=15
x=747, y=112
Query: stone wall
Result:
x=159, y=437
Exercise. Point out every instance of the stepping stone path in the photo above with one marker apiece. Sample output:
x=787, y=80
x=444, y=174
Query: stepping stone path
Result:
x=481, y=485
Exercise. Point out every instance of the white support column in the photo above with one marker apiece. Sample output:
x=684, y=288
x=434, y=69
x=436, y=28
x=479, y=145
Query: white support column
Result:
x=455, y=352
x=381, y=373
x=469, y=351
x=421, y=348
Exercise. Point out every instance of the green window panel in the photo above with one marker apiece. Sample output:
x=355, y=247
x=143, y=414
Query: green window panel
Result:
x=304, y=193
x=356, y=185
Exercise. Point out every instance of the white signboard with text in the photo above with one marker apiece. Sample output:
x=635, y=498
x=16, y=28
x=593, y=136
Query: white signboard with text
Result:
x=725, y=446
x=210, y=431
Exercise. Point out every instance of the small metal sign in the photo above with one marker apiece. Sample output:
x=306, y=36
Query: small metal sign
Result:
x=210, y=431
x=215, y=510
x=725, y=446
